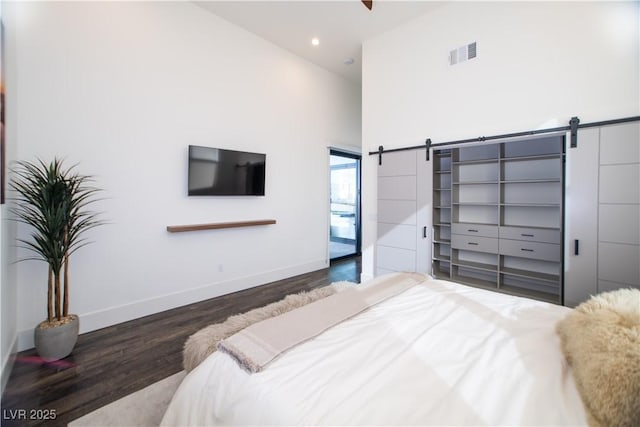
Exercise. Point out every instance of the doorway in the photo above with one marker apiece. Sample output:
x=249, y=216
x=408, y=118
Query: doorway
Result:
x=344, y=226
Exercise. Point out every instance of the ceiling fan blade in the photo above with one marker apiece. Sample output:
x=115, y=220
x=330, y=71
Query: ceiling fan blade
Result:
x=368, y=3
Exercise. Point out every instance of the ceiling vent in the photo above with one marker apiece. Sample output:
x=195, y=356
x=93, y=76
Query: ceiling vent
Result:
x=463, y=53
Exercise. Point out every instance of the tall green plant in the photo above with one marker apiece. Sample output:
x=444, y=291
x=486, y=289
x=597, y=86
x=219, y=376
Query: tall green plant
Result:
x=53, y=200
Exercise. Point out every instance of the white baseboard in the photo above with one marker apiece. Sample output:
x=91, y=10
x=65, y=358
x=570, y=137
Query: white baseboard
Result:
x=7, y=363
x=113, y=315
x=365, y=277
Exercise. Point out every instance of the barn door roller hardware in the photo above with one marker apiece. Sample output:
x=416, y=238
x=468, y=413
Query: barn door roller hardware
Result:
x=574, y=125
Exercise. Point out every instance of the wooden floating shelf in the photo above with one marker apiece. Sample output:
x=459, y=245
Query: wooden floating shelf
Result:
x=218, y=225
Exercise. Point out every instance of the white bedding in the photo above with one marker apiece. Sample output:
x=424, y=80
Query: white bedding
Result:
x=440, y=353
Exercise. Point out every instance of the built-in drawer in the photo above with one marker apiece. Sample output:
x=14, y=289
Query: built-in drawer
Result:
x=474, y=243
x=470, y=229
x=543, y=235
x=532, y=250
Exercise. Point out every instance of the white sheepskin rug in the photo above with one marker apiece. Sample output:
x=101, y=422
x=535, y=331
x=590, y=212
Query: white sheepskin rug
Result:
x=601, y=341
x=203, y=343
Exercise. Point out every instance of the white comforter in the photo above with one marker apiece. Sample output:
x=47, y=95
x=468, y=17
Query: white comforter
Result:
x=438, y=354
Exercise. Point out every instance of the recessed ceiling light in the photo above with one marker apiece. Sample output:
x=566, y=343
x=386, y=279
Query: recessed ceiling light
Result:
x=348, y=61
x=315, y=41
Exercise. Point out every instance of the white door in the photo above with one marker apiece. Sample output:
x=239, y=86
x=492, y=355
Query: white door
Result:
x=404, y=213
x=581, y=218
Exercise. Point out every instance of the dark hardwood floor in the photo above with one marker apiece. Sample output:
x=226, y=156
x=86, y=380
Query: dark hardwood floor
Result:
x=110, y=363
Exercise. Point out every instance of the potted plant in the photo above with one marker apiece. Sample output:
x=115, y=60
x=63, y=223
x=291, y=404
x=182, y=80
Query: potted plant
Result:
x=53, y=201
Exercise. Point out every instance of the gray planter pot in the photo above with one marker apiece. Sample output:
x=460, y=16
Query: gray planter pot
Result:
x=57, y=342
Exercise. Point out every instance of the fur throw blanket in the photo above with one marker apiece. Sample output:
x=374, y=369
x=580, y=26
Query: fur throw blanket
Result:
x=203, y=343
x=601, y=341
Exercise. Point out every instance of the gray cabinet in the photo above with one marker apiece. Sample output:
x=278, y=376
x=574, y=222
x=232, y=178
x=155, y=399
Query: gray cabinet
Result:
x=497, y=216
x=602, y=249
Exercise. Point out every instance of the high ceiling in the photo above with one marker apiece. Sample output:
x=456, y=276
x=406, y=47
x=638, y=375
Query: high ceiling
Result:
x=341, y=26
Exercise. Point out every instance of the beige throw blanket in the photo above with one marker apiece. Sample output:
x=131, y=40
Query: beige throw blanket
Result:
x=601, y=341
x=203, y=343
x=261, y=343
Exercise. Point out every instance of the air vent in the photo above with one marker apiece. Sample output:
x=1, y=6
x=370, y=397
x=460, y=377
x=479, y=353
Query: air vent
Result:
x=472, y=50
x=463, y=53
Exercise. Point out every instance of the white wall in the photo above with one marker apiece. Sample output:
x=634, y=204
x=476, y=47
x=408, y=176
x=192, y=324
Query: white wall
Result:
x=123, y=89
x=8, y=289
x=538, y=64
x=8, y=298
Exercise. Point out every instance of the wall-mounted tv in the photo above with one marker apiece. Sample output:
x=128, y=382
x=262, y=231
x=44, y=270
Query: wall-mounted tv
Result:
x=219, y=172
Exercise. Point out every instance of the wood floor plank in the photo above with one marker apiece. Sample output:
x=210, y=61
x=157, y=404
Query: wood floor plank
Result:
x=113, y=362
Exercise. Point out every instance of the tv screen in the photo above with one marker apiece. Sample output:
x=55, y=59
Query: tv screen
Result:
x=219, y=172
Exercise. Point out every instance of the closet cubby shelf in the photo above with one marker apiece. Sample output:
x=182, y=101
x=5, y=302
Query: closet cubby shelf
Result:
x=474, y=182
x=475, y=161
x=530, y=181
x=476, y=204
x=528, y=158
x=475, y=265
x=531, y=205
x=218, y=225
x=553, y=278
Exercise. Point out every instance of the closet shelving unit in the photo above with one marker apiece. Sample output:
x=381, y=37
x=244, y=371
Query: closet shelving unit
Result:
x=497, y=216
x=442, y=213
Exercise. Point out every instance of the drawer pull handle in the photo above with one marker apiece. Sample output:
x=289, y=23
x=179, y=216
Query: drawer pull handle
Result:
x=527, y=250
x=576, y=247
x=472, y=243
x=527, y=235
x=473, y=231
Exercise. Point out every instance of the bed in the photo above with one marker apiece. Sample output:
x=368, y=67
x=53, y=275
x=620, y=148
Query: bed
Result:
x=437, y=353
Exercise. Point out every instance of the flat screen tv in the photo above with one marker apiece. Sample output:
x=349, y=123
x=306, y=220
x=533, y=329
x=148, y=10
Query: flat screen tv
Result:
x=219, y=172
